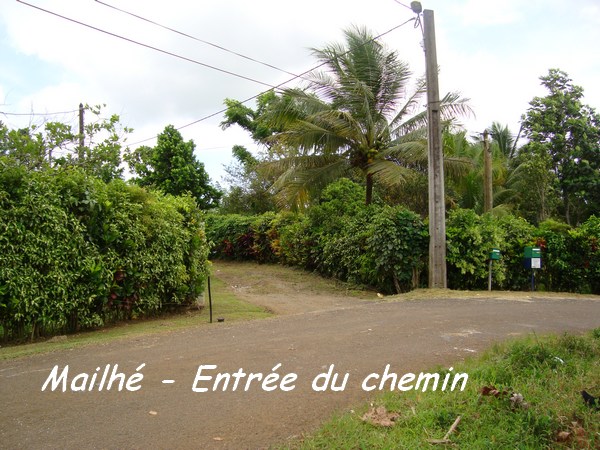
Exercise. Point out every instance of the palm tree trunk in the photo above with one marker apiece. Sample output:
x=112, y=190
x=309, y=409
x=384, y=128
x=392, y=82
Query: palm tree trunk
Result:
x=369, y=197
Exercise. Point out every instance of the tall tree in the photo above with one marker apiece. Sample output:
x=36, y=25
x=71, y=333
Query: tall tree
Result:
x=353, y=117
x=354, y=120
x=564, y=134
x=172, y=167
x=254, y=121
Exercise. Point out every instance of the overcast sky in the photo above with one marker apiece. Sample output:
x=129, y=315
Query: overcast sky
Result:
x=493, y=52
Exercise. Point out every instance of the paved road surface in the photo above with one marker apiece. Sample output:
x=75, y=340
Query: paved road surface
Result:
x=360, y=339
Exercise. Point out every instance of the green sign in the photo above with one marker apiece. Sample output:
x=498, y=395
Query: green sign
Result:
x=495, y=254
x=533, y=252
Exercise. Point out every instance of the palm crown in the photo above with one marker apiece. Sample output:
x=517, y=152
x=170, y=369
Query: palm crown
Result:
x=354, y=116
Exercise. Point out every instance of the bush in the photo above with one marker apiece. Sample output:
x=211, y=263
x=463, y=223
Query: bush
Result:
x=377, y=246
x=386, y=247
x=570, y=257
x=589, y=238
x=76, y=252
x=517, y=233
x=470, y=239
x=381, y=247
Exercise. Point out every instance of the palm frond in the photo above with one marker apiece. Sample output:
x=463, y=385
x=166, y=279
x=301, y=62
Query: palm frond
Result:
x=389, y=172
x=304, y=179
x=452, y=105
x=411, y=103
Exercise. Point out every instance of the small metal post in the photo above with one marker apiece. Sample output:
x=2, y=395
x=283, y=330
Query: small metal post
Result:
x=490, y=275
x=209, y=300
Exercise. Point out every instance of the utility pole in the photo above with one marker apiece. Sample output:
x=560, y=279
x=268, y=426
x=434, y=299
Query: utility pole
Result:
x=437, y=205
x=488, y=201
x=81, y=134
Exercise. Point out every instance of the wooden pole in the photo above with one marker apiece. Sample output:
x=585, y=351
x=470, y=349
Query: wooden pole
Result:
x=437, y=206
x=488, y=200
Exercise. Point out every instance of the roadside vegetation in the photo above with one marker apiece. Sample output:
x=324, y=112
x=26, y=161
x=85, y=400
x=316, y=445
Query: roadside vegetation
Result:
x=520, y=394
x=385, y=247
x=338, y=187
x=225, y=305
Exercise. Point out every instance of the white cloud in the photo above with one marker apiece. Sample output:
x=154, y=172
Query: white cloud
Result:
x=493, y=52
x=490, y=12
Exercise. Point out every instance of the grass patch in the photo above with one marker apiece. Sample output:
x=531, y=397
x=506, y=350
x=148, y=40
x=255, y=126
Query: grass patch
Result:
x=548, y=372
x=431, y=294
x=225, y=304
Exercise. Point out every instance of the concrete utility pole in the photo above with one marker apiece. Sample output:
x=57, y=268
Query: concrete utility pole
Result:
x=488, y=200
x=437, y=205
x=81, y=135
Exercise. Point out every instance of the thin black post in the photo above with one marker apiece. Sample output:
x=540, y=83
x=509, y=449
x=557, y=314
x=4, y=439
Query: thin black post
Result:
x=209, y=300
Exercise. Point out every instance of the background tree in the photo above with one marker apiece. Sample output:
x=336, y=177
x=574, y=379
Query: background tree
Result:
x=171, y=167
x=57, y=144
x=254, y=121
x=249, y=188
x=467, y=189
x=564, y=139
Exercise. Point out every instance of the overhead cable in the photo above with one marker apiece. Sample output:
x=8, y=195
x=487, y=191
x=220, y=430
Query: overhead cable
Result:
x=166, y=52
x=221, y=111
x=189, y=36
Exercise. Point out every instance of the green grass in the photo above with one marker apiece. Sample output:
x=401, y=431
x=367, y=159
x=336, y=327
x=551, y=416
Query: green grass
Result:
x=549, y=372
x=225, y=304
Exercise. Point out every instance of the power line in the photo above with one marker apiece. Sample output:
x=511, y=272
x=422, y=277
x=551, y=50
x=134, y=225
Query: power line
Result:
x=39, y=114
x=403, y=4
x=202, y=119
x=166, y=52
x=416, y=8
x=195, y=38
x=295, y=77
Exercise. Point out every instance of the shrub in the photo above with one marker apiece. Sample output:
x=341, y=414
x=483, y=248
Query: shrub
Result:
x=470, y=239
x=386, y=247
x=230, y=236
x=76, y=252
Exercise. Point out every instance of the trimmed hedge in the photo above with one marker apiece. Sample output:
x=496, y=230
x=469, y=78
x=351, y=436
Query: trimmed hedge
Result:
x=77, y=253
x=387, y=247
x=378, y=246
x=570, y=257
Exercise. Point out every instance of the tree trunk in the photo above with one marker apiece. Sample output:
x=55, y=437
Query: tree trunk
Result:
x=369, y=197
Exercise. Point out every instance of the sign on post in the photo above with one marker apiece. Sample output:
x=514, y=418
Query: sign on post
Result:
x=494, y=256
x=532, y=260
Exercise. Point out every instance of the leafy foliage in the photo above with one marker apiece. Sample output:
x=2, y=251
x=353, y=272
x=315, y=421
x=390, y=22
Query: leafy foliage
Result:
x=250, y=188
x=386, y=247
x=77, y=252
x=565, y=133
x=98, y=150
x=172, y=167
x=377, y=246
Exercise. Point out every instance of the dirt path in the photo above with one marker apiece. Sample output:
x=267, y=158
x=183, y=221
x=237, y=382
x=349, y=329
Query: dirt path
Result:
x=286, y=290
x=359, y=337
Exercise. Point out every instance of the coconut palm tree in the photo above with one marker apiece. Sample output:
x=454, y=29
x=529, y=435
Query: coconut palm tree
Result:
x=357, y=116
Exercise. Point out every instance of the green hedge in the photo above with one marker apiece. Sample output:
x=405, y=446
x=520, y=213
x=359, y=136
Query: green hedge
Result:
x=76, y=252
x=570, y=257
x=387, y=247
x=379, y=246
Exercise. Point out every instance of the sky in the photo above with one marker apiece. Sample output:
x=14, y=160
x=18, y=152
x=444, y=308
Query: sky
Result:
x=492, y=52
